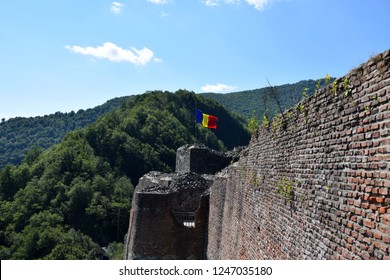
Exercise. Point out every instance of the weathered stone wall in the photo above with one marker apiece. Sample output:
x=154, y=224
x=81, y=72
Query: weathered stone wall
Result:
x=315, y=185
x=156, y=229
x=200, y=159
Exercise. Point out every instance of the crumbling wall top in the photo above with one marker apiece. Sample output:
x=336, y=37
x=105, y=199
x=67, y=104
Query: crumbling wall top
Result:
x=200, y=159
x=163, y=183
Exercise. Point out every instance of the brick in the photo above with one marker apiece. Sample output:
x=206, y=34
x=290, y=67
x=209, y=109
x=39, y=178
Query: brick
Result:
x=381, y=246
x=365, y=205
x=373, y=207
x=369, y=223
x=358, y=211
x=364, y=247
x=376, y=135
x=386, y=219
x=384, y=229
x=367, y=240
x=385, y=142
x=374, y=127
x=379, y=199
x=383, y=191
x=365, y=255
x=357, y=203
x=377, y=235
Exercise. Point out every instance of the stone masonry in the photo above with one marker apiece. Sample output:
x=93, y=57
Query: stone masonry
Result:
x=169, y=214
x=169, y=217
x=315, y=185
x=200, y=159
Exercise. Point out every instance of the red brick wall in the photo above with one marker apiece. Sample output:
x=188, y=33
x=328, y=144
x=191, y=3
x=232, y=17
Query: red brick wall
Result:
x=316, y=186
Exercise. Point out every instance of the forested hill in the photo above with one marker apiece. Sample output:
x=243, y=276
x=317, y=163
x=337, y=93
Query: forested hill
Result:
x=19, y=135
x=245, y=102
x=66, y=202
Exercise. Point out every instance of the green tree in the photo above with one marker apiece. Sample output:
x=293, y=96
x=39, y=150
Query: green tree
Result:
x=7, y=183
x=253, y=122
x=73, y=245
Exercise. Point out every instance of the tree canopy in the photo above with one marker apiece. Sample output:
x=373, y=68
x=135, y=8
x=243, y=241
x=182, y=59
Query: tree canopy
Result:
x=19, y=135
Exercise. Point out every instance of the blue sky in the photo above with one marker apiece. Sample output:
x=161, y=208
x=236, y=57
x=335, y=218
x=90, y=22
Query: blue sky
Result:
x=68, y=55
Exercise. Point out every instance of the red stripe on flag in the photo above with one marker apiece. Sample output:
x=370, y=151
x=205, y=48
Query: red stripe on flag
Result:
x=212, y=122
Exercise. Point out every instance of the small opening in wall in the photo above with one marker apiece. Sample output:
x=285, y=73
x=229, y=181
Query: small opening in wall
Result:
x=187, y=219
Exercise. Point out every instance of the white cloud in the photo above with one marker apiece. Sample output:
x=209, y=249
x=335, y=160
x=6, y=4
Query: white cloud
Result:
x=158, y=1
x=114, y=53
x=116, y=7
x=211, y=3
x=258, y=4
x=232, y=1
x=218, y=88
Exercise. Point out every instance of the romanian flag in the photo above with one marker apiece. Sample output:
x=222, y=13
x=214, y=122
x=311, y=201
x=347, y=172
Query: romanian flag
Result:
x=208, y=121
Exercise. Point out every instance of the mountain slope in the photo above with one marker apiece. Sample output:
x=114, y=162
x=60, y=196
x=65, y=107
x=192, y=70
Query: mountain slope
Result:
x=19, y=135
x=75, y=197
x=245, y=102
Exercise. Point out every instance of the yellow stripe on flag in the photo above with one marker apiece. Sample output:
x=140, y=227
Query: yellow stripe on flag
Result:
x=205, y=122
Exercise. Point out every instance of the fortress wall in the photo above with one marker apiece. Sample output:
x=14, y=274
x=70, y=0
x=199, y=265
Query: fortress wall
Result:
x=314, y=184
x=169, y=217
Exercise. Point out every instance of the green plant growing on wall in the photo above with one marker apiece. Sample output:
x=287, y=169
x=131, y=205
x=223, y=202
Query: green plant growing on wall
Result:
x=254, y=180
x=327, y=79
x=346, y=87
x=376, y=57
x=244, y=171
x=305, y=93
x=318, y=84
x=277, y=123
x=334, y=88
x=265, y=121
x=300, y=108
x=253, y=122
x=285, y=188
